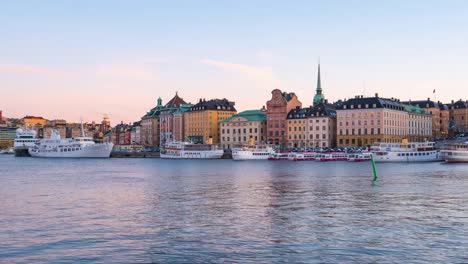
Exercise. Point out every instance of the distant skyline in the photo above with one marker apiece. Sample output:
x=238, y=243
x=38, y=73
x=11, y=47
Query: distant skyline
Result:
x=70, y=59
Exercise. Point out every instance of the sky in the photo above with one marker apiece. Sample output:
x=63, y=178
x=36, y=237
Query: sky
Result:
x=83, y=59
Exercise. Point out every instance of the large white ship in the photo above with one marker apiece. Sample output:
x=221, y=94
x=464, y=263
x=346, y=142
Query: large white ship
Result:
x=405, y=152
x=455, y=153
x=24, y=139
x=252, y=152
x=189, y=150
x=79, y=147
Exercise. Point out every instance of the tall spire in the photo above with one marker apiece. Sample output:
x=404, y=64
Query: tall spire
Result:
x=318, y=98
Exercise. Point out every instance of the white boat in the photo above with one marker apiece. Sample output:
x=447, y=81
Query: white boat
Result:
x=358, y=157
x=252, y=152
x=455, y=153
x=405, y=152
x=189, y=150
x=281, y=156
x=333, y=156
x=301, y=156
x=24, y=139
x=79, y=147
x=7, y=151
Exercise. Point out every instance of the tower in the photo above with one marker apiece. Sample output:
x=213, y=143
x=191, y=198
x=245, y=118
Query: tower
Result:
x=318, y=98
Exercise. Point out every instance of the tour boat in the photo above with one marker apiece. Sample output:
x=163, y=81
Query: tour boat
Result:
x=280, y=156
x=405, y=152
x=455, y=153
x=333, y=156
x=189, y=150
x=252, y=152
x=358, y=157
x=24, y=139
x=305, y=156
x=79, y=147
x=9, y=150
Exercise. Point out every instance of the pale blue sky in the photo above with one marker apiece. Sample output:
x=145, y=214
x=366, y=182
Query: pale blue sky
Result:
x=87, y=58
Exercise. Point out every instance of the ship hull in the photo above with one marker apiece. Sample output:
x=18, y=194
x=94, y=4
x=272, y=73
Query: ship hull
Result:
x=249, y=155
x=215, y=154
x=420, y=156
x=22, y=152
x=92, y=151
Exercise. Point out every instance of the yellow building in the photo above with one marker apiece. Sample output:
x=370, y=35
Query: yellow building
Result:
x=201, y=121
x=34, y=121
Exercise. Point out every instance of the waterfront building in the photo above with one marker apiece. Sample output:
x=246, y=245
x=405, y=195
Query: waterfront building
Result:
x=458, y=116
x=361, y=121
x=150, y=127
x=34, y=122
x=170, y=125
x=3, y=123
x=312, y=127
x=420, y=123
x=440, y=116
x=243, y=128
x=201, y=121
x=278, y=107
x=135, y=137
x=7, y=136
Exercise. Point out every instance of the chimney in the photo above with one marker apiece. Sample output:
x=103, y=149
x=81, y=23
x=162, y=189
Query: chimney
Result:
x=428, y=99
x=376, y=95
x=1, y=116
x=453, y=101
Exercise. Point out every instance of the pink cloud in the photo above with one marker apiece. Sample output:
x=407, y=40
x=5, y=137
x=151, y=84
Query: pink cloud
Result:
x=31, y=69
x=259, y=74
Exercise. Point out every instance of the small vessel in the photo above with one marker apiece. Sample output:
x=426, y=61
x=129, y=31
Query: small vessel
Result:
x=252, y=152
x=189, y=150
x=305, y=156
x=358, y=157
x=79, y=147
x=9, y=150
x=281, y=156
x=333, y=156
x=455, y=153
x=405, y=152
x=24, y=139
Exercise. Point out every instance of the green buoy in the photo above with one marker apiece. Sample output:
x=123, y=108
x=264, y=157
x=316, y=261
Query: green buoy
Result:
x=373, y=168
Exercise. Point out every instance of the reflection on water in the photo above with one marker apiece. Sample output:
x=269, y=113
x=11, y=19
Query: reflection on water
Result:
x=151, y=210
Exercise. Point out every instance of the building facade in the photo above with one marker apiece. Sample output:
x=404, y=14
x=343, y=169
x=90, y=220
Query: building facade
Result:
x=440, y=116
x=278, y=107
x=312, y=127
x=420, y=124
x=458, y=117
x=7, y=136
x=201, y=121
x=150, y=127
x=243, y=128
x=169, y=125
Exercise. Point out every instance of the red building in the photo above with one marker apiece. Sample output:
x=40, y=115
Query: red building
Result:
x=277, y=110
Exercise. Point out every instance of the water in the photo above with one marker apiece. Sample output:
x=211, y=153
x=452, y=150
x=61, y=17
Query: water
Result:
x=152, y=210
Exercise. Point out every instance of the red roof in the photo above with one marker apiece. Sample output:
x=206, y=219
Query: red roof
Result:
x=175, y=102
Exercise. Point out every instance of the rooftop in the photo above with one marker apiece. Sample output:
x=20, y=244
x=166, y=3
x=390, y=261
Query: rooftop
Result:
x=249, y=115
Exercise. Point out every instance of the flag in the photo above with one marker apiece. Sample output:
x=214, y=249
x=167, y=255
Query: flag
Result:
x=433, y=91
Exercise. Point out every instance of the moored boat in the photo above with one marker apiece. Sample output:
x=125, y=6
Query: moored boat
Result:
x=189, y=150
x=24, y=139
x=280, y=156
x=252, y=152
x=405, y=152
x=358, y=157
x=305, y=156
x=333, y=156
x=455, y=153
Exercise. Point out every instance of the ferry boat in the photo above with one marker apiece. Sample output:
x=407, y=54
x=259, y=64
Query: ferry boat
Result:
x=9, y=150
x=333, y=156
x=79, y=147
x=405, y=152
x=189, y=150
x=305, y=156
x=455, y=153
x=252, y=152
x=24, y=139
x=281, y=156
x=358, y=157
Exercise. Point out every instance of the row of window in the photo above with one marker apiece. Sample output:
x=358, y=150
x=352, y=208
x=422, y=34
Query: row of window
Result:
x=411, y=154
x=238, y=131
x=311, y=136
x=310, y=128
x=240, y=139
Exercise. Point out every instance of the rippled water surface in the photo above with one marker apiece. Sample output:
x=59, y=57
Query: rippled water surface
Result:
x=152, y=210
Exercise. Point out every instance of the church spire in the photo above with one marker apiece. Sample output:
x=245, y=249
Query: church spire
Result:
x=318, y=98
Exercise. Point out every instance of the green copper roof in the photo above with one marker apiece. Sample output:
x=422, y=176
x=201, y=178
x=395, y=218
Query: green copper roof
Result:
x=414, y=109
x=249, y=115
x=318, y=98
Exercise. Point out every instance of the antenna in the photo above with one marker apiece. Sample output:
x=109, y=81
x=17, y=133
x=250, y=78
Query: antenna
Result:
x=82, y=129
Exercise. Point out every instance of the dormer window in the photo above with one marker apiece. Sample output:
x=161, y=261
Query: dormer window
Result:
x=359, y=106
x=352, y=106
x=367, y=105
